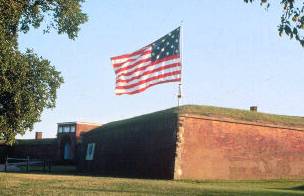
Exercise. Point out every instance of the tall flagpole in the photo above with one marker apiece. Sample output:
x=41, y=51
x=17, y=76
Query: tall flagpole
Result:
x=179, y=93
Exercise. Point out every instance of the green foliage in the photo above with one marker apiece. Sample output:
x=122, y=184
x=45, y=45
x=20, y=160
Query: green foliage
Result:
x=28, y=82
x=292, y=19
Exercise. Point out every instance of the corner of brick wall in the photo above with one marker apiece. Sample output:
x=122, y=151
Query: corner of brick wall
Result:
x=211, y=149
x=179, y=147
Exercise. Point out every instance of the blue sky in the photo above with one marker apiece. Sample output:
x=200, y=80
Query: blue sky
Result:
x=233, y=57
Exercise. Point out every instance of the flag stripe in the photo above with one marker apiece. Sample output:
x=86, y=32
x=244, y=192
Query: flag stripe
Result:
x=143, y=63
x=141, y=75
x=130, y=54
x=150, y=77
x=122, y=62
x=161, y=76
x=131, y=92
x=145, y=67
x=136, y=63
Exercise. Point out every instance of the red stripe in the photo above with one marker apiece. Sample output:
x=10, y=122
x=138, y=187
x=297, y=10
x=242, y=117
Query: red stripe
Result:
x=129, y=54
x=146, y=60
x=142, y=89
x=138, y=69
x=149, y=79
x=132, y=65
x=115, y=65
x=149, y=72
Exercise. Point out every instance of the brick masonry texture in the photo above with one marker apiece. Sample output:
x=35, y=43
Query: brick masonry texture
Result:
x=171, y=144
x=142, y=148
x=83, y=128
x=35, y=151
x=216, y=149
x=48, y=148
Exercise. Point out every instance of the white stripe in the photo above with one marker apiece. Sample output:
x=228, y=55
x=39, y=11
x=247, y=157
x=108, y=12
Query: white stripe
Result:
x=145, y=77
x=143, y=57
x=118, y=61
x=121, y=60
x=149, y=68
x=119, y=91
x=177, y=60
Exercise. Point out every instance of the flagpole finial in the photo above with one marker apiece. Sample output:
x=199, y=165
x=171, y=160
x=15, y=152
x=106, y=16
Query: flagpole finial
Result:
x=181, y=23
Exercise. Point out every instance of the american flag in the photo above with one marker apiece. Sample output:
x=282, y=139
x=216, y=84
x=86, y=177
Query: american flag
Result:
x=153, y=64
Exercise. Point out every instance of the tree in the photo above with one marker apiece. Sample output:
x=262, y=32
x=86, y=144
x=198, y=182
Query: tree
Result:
x=292, y=19
x=28, y=83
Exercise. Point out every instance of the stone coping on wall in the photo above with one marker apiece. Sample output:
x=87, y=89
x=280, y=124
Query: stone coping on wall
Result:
x=228, y=120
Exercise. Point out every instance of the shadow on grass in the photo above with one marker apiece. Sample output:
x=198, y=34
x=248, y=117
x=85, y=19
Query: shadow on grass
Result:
x=299, y=188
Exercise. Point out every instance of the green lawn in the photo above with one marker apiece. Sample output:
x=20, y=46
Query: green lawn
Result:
x=37, y=184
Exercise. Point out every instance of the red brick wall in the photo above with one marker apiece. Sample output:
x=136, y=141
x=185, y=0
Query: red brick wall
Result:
x=212, y=149
x=73, y=138
x=137, y=147
x=82, y=128
x=35, y=151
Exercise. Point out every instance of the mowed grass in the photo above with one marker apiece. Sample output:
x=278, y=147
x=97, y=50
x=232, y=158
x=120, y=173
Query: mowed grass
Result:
x=38, y=184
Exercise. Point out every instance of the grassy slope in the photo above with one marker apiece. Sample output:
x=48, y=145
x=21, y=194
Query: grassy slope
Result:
x=37, y=184
x=244, y=115
x=211, y=111
x=117, y=125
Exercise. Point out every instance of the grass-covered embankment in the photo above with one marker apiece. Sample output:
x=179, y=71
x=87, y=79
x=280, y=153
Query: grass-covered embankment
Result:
x=217, y=112
x=243, y=115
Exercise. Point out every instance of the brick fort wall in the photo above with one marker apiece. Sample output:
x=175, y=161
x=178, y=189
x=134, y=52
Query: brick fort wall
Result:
x=136, y=147
x=225, y=149
x=42, y=149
